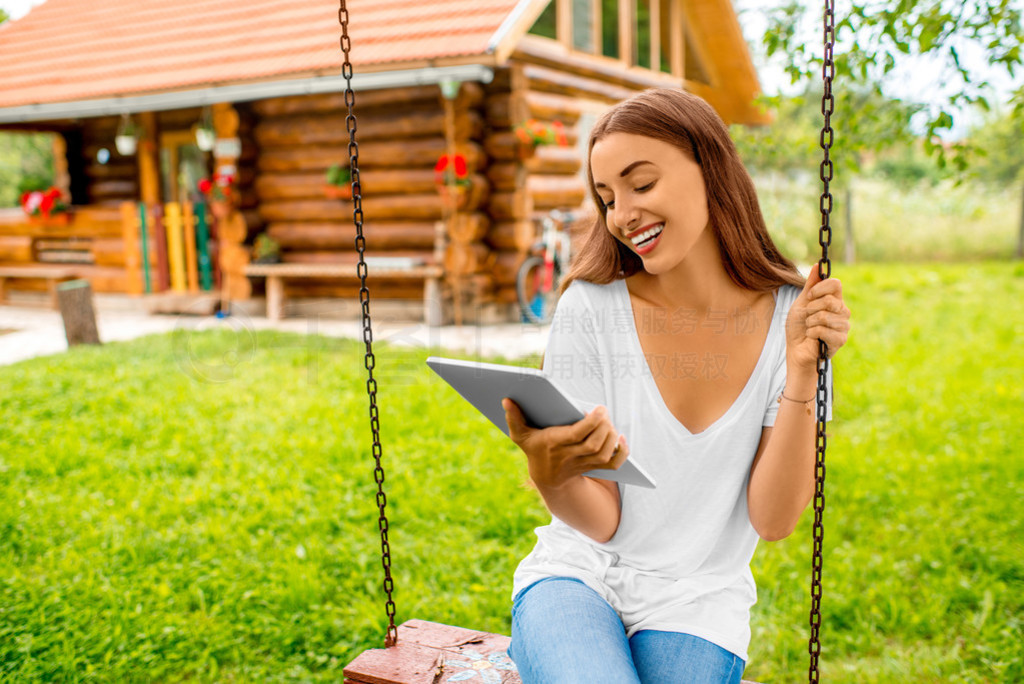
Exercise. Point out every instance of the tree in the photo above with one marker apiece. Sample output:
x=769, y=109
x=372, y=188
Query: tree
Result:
x=792, y=142
x=875, y=36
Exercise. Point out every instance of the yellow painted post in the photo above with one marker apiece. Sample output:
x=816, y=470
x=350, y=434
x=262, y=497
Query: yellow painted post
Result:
x=175, y=246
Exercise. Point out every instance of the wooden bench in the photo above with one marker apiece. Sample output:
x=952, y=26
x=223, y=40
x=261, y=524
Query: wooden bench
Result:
x=277, y=274
x=51, y=274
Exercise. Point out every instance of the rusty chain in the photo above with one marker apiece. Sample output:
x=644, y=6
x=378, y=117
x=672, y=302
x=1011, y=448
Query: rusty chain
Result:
x=364, y=297
x=821, y=396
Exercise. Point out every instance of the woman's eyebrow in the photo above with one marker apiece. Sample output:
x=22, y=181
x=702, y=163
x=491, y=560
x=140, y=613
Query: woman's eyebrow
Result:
x=626, y=171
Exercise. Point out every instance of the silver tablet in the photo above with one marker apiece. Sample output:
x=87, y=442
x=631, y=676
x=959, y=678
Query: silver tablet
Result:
x=484, y=385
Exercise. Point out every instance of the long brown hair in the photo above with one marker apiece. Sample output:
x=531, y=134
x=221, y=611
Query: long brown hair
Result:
x=682, y=119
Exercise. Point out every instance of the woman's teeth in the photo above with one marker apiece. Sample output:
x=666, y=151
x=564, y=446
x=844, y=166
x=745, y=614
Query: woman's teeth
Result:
x=648, y=234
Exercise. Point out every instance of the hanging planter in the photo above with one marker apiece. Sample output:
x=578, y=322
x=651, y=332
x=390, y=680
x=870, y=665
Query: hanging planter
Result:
x=453, y=183
x=205, y=135
x=127, y=138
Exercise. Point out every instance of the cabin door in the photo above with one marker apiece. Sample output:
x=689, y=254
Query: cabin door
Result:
x=182, y=166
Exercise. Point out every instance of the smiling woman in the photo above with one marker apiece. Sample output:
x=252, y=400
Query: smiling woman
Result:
x=680, y=129
x=695, y=337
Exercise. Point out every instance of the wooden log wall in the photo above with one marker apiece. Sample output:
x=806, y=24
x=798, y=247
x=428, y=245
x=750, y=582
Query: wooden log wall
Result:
x=401, y=135
x=527, y=187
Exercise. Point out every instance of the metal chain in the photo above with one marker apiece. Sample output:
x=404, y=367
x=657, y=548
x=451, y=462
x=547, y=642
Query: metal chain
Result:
x=821, y=396
x=364, y=297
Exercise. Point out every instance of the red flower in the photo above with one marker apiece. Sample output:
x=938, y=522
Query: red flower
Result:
x=47, y=204
x=442, y=174
x=205, y=185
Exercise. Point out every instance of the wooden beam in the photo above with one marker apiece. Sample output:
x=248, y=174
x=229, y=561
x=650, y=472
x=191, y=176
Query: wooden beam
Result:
x=60, y=165
x=654, y=6
x=626, y=24
x=563, y=22
x=596, y=13
x=677, y=21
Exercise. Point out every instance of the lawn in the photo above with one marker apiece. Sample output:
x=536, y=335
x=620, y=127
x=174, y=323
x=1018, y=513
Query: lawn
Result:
x=200, y=506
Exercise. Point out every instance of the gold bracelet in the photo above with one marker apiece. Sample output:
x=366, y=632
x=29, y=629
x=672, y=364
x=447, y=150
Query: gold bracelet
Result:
x=807, y=404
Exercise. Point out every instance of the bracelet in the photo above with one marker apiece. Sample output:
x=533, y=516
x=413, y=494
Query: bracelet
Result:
x=806, y=403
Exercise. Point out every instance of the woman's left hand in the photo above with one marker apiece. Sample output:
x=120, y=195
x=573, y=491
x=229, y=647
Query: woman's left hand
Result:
x=817, y=314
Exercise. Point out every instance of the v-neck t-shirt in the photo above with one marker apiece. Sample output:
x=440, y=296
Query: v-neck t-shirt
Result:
x=680, y=558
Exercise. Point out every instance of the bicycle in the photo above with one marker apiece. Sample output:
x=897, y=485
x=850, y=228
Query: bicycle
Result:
x=540, y=274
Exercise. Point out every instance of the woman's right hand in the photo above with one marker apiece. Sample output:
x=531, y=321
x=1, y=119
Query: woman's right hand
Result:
x=559, y=454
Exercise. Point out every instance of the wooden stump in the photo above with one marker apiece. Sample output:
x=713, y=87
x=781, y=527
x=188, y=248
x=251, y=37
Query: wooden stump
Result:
x=75, y=299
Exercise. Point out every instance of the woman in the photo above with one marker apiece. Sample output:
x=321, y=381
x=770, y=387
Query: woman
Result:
x=688, y=331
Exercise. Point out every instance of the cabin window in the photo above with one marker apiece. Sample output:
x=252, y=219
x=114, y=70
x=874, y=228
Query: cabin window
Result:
x=647, y=30
x=583, y=25
x=642, y=34
x=610, y=28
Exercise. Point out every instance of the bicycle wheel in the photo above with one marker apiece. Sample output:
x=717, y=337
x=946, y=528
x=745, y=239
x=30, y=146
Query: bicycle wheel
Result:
x=536, y=299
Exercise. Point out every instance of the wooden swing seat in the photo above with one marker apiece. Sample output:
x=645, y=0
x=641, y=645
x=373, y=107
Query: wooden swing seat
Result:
x=432, y=653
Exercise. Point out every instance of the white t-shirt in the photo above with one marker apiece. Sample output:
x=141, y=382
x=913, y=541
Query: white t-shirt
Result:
x=680, y=559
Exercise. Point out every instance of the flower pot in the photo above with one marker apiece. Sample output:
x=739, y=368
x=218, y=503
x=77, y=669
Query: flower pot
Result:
x=454, y=198
x=343, y=192
x=61, y=219
x=525, y=150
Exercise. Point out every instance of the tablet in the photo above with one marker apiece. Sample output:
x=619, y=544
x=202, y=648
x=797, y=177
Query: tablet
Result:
x=484, y=385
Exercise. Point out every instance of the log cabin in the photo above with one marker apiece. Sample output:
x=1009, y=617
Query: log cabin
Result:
x=449, y=77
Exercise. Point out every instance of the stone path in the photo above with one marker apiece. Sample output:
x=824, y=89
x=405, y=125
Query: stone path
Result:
x=28, y=330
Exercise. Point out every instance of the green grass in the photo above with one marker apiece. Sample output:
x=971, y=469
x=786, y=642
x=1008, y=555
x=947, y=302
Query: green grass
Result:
x=946, y=222
x=200, y=506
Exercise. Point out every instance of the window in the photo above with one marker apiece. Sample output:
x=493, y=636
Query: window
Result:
x=647, y=30
x=583, y=25
x=642, y=34
x=547, y=22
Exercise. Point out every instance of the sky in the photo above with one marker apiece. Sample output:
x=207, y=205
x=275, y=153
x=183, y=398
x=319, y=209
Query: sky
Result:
x=915, y=79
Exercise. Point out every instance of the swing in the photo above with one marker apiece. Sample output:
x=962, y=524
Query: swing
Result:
x=421, y=652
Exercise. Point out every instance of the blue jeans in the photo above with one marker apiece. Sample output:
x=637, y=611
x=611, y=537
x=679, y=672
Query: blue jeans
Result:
x=564, y=632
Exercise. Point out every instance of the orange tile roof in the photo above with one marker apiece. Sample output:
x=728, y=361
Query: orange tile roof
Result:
x=67, y=50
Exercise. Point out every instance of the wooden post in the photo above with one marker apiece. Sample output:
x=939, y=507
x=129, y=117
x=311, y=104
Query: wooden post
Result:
x=626, y=22
x=149, y=165
x=175, y=246
x=678, y=40
x=75, y=298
